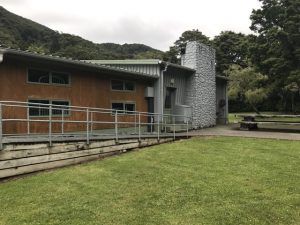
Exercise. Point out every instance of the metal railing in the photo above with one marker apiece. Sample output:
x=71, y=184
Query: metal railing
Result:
x=48, y=122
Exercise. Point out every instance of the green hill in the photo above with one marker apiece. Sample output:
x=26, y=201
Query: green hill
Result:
x=22, y=33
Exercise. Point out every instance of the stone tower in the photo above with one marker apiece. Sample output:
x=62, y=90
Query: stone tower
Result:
x=201, y=87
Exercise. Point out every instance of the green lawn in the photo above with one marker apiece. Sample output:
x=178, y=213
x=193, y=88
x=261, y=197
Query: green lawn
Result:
x=198, y=181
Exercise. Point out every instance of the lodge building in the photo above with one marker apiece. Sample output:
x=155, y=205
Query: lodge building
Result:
x=192, y=88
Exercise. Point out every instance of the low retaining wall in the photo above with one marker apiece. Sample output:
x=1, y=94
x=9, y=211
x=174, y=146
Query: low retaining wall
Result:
x=17, y=159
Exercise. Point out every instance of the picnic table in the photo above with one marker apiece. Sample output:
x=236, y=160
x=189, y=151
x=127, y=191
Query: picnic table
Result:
x=251, y=121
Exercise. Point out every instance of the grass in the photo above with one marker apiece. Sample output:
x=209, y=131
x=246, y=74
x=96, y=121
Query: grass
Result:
x=199, y=181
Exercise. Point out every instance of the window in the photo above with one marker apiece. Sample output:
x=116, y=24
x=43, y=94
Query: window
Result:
x=48, y=77
x=60, y=107
x=129, y=107
x=117, y=106
x=122, y=85
x=38, y=76
x=116, y=85
x=129, y=86
x=59, y=78
x=123, y=107
x=38, y=108
x=41, y=107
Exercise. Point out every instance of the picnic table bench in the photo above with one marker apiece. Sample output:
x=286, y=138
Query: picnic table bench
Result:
x=251, y=121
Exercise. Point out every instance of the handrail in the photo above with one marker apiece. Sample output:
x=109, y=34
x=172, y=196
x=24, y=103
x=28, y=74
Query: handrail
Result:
x=88, y=117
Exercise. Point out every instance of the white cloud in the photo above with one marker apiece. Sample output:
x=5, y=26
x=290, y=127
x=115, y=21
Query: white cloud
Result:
x=156, y=23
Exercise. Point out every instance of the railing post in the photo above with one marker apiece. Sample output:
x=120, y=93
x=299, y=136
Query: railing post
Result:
x=174, y=127
x=92, y=119
x=135, y=122
x=116, y=125
x=28, y=120
x=87, y=127
x=139, y=126
x=187, y=128
x=158, y=127
x=152, y=121
x=1, y=128
x=50, y=125
x=62, y=121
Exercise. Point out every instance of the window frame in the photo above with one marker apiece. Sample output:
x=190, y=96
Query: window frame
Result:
x=50, y=77
x=123, y=112
x=50, y=102
x=123, y=82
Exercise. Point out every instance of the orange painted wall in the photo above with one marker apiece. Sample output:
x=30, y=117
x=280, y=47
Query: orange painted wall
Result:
x=90, y=89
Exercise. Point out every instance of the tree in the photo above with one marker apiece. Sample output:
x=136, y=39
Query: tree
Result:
x=247, y=84
x=38, y=48
x=276, y=50
x=231, y=48
x=173, y=54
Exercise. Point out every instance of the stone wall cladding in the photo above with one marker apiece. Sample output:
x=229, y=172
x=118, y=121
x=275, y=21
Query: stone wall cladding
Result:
x=201, y=87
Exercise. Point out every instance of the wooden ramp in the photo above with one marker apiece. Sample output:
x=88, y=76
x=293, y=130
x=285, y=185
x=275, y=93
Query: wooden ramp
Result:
x=22, y=158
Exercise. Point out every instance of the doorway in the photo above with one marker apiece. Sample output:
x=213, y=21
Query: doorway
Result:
x=170, y=98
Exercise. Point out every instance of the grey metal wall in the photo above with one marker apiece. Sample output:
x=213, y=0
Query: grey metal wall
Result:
x=179, y=83
x=151, y=69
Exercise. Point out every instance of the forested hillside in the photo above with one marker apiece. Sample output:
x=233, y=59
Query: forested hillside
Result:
x=263, y=67
x=18, y=32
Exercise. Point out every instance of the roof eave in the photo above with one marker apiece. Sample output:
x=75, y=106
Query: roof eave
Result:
x=68, y=61
x=222, y=77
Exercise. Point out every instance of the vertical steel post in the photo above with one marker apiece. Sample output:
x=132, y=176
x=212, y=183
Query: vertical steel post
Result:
x=135, y=122
x=174, y=127
x=87, y=127
x=91, y=121
x=1, y=128
x=28, y=121
x=50, y=125
x=62, y=121
x=139, y=126
x=151, y=124
x=187, y=128
x=158, y=127
x=116, y=125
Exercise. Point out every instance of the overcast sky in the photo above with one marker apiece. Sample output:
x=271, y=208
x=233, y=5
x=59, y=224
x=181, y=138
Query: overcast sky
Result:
x=157, y=23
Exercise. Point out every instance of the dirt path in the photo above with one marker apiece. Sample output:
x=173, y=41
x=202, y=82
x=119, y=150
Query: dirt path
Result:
x=233, y=131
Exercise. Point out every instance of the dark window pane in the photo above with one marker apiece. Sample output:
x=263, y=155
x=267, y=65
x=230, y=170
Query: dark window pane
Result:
x=38, y=76
x=60, y=78
x=129, y=107
x=117, y=85
x=129, y=86
x=38, y=109
x=117, y=106
x=58, y=106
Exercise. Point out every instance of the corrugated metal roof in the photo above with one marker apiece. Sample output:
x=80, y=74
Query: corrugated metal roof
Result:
x=69, y=61
x=127, y=62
